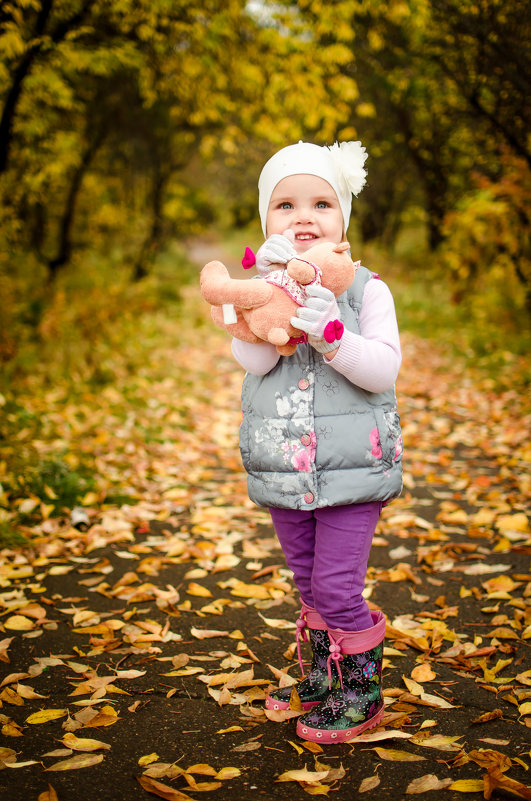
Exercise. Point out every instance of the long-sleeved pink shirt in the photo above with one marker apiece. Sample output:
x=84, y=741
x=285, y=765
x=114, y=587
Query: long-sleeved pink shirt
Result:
x=370, y=359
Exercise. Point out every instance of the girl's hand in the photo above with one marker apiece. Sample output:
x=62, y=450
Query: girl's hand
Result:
x=277, y=249
x=320, y=319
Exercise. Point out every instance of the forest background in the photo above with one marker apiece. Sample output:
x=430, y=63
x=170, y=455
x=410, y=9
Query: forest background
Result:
x=132, y=128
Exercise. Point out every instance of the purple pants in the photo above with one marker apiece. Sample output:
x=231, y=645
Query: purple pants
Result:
x=327, y=550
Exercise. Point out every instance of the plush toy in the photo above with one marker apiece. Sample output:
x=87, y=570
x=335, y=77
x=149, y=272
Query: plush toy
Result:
x=260, y=309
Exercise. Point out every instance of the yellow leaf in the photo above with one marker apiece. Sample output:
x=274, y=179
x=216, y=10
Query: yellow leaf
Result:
x=302, y=775
x=198, y=590
x=434, y=700
x=203, y=634
x=105, y=717
x=467, y=786
x=76, y=762
x=440, y=741
x=186, y=671
x=228, y=773
x=525, y=709
x=7, y=755
x=162, y=790
x=82, y=743
x=423, y=672
x=516, y=522
x=383, y=734
x=397, y=756
x=202, y=768
x=242, y=590
x=278, y=624
x=501, y=583
x=297, y=748
x=148, y=759
x=503, y=633
x=46, y=715
x=226, y=731
x=19, y=623
x=413, y=687
x=48, y=795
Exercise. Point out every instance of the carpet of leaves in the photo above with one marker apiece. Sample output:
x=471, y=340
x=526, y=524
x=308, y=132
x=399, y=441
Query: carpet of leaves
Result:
x=138, y=638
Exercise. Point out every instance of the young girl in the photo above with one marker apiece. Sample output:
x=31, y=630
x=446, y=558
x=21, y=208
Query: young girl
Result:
x=320, y=439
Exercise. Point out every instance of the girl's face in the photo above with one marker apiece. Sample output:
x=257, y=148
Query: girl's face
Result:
x=308, y=206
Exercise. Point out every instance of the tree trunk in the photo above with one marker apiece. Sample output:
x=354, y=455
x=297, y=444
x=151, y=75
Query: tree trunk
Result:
x=64, y=247
x=152, y=240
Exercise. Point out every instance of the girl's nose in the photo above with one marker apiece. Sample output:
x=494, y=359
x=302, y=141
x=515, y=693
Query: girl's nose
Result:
x=304, y=214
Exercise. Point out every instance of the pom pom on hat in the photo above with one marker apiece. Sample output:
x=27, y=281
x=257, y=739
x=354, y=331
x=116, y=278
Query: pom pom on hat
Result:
x=341, y=165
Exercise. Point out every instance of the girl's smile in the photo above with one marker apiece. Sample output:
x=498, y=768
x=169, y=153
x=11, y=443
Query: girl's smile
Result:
x=308, y=206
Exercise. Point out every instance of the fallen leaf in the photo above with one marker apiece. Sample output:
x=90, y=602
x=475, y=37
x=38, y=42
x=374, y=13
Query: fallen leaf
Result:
x=488, y=716
x=48, y=795
x=368, y=784
x=467, y=786
x=148, y=759
x=397, y=756
x=425, y=783
x=302, y=775
x=423, y=672
x=82, y=743
x=19, y=623
x=205, y=634
x=76, y=762
x=162, y=790
x=45, y=715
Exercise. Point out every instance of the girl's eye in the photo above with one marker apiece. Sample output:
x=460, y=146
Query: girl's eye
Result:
x=286, y=205
x=322, y=204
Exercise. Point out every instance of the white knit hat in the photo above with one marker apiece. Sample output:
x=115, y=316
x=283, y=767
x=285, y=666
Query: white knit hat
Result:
x=340, y=164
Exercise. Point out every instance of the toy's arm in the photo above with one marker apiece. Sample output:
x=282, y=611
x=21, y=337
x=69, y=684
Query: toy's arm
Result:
x=371, y=359
x=257, y=359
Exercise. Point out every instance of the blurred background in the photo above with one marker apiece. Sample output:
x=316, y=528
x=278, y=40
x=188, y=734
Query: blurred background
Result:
x=132, y=130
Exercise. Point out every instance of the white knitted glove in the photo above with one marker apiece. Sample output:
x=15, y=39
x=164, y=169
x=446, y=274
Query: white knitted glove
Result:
x=277, y=249
x=320, y=319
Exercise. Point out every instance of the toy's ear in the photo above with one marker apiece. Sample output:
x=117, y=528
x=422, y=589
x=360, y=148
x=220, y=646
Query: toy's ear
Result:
x=341, y=247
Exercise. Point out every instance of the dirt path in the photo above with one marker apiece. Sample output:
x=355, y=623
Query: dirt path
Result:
x=158, y=629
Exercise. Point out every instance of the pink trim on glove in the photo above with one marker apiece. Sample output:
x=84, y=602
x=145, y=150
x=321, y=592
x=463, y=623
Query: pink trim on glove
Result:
x=333, y=331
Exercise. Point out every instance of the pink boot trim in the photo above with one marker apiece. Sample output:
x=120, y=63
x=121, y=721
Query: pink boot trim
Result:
x=356, y=642
x=273, y=704
x=339, y=735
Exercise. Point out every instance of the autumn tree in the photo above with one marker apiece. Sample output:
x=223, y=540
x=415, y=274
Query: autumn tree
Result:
x=102, y=101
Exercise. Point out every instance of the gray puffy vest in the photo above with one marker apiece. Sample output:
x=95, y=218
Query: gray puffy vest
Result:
x=310, y=438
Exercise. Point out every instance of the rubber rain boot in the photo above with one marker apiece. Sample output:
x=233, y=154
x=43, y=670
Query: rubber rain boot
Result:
x=355, y=703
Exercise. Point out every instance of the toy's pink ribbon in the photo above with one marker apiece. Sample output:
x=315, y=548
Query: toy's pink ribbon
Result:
x=249, y=259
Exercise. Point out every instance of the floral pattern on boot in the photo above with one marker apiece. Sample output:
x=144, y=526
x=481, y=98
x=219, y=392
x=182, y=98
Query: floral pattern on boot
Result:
x=349, y=709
